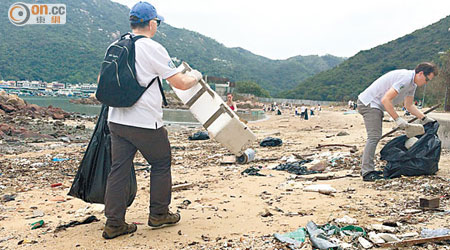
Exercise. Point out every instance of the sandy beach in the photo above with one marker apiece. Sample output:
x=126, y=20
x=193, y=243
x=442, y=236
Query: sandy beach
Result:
x=222, y=208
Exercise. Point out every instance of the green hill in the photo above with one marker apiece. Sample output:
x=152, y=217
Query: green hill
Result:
x=351, y=77
x=72, y=52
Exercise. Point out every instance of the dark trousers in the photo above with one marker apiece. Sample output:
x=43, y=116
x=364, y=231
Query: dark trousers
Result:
x=155, y=147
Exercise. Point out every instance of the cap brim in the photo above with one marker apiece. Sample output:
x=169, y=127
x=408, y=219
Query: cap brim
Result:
x=160, y=17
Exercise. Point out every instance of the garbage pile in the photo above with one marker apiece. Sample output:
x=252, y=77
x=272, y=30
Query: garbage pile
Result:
x=343, y=233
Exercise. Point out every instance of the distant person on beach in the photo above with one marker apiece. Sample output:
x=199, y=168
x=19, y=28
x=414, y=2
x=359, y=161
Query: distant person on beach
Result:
x=302, y=111
x=390, y=89
x=230, y=102
x=140, y=127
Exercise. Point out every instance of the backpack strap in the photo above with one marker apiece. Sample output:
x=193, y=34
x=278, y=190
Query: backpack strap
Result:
x=160, y=89
x=134, y=39
x=162, y=92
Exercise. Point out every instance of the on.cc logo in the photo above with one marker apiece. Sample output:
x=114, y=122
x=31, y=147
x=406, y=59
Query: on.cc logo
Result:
x=19, y=14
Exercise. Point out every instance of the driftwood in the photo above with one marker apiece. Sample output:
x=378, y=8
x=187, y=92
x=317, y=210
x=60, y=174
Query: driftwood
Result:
x=335, y=145
x=182, y=186
x=302, y=157
x=415, y=241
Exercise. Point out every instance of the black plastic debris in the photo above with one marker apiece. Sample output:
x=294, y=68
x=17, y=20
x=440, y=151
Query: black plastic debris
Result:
x=421, y=159
x=8, y=197
x=198, y=136
x=252, y=171
x=296, y=168
x=271, y=142
x=88, y=220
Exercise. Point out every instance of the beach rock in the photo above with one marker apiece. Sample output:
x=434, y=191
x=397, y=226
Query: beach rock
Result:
x=7, y=108
x=342, y=133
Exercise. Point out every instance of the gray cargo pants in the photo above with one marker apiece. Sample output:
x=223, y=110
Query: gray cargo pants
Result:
x=373, y=119
x=155, y=147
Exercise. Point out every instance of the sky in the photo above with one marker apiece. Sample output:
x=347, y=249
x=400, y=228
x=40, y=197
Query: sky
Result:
x=285, y=28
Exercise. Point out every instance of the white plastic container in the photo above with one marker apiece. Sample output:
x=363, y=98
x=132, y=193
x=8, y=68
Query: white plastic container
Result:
x=216, y=117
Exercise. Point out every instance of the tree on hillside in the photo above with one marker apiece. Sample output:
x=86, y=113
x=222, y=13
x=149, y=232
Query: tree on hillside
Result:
x=438, y=92
x=445, y=75
x=251, y=88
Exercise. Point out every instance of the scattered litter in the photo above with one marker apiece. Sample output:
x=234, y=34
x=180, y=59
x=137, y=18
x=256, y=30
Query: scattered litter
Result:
x=58, y=198
x=26, y=241
x=198, y=136
x=271, y=142
x=318, y=237
x=346, y=220
x=184, y=204
x=294, y=239
x=428, y=233
x=350, y=112
x=36, y=214
x=56, y=159
x=93, y=208
x=182, y=186
x=429, y=202
x=8, y=197
x=342, y=133
x=375, y=238
x=295, y=168
x=228, y=159
x=389, y=237
x=88, y=220
x=266, y=213
x=6, y=238
x=253, y=171
x=321, y=188
x=37, y=224
x=289, y=159
x=365, y=243
x=383, y=228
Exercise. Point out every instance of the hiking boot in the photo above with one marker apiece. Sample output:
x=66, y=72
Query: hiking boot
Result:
x=379, y=172
x=165, y=220
x=372, y=176
x=111, y=232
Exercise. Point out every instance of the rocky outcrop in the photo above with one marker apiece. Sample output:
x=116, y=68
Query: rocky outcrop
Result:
x=88, y=101
x=14, y=105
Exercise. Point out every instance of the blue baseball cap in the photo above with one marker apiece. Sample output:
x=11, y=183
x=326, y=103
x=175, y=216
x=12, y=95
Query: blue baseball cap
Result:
x=145, y=12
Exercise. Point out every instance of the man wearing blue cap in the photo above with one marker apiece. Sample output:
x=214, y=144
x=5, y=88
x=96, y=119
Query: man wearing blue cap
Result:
x=140, y=127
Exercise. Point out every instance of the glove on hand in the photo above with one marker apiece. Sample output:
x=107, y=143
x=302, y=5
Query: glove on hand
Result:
x=426, y=120
x=401, y=123
x=195, y=73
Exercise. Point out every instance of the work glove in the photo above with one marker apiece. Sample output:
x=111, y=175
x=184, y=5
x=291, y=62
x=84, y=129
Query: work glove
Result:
x=196, y=74
x=402, y=124
x=426, y=120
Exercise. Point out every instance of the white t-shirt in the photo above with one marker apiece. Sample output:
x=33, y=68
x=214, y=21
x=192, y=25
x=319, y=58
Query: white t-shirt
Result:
x=152, y=60
x=401, y=80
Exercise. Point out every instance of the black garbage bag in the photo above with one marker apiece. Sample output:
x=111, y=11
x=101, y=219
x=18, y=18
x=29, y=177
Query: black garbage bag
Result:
x=421, y=159
x=90, y=181
x=270, y=142
x=201, y=135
